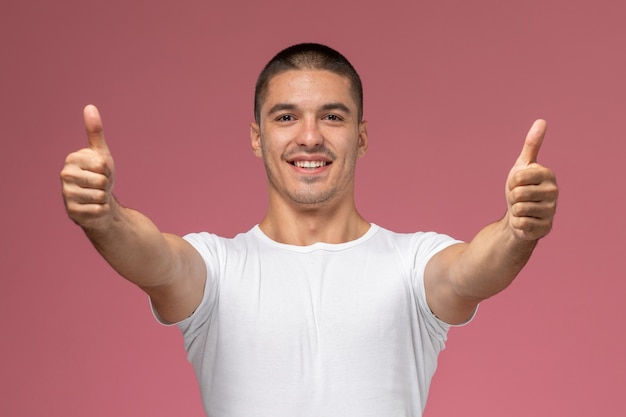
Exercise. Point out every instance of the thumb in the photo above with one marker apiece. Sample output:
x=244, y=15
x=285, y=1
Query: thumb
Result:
x=93, y=126
x=532, y=144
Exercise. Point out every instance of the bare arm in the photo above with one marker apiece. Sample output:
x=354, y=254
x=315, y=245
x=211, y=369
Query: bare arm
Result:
x=165, y=266
x=461, y=276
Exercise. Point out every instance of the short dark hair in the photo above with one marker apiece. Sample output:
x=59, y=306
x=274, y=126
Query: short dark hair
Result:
x=307, y=56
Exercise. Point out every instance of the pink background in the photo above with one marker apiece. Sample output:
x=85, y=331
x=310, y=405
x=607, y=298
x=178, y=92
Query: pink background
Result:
x=451, y=88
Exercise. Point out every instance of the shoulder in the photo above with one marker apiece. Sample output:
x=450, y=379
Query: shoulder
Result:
x=416, y=248
x=207, y=239
x=416, y=240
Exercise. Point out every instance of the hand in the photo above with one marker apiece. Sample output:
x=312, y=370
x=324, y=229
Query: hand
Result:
x=531, y=190
x=87, y=178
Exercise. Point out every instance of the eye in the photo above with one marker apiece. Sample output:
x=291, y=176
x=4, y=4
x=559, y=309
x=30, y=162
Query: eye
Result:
x=285, y=118
x=333, y=117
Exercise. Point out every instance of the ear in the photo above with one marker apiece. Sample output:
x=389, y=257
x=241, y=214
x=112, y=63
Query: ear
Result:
x=255, y=138
x=363, y=140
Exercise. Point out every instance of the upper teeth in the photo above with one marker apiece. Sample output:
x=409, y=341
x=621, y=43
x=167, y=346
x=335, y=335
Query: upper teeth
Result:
x=309, y=164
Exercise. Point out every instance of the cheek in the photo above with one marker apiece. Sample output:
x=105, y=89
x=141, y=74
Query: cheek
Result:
x=271, y=156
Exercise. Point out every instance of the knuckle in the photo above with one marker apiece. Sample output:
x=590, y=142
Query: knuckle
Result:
x=69, y=191
x=523, y=223
x=100, y=196
x=101, y=182
x=522, y=210
x=531, y=228
x=68, y=173
x=73, y=157
x=65, y=175
x=87, y=159
x=85, y=215
x=516, y=194
x=554, y=190
x=521, y=176
x=97, y=182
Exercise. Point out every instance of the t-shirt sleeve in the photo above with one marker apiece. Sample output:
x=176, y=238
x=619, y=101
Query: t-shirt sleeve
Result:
x=424, y=247
x=209, y=247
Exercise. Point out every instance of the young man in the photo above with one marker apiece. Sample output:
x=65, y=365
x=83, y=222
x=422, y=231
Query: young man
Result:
x=314, y=311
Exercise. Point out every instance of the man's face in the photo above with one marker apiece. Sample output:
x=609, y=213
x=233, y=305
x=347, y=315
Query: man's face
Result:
x=309, y=137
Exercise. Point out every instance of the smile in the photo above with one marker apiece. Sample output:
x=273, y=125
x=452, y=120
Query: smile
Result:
x=310, y=164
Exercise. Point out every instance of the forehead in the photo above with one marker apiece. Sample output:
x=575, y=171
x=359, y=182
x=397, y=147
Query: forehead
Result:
x=309, y=87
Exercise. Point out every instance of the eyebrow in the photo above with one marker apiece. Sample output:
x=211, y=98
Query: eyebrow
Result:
x=336, y=106
x=326, y=107
x=281, y=107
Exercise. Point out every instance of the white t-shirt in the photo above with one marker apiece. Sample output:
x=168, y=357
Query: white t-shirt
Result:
x=326, y=330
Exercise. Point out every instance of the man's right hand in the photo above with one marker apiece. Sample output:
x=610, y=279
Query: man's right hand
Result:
x=164, y=265
x=88, y=177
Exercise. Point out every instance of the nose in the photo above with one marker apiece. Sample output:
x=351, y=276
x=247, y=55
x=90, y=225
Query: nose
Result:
x=310, y=134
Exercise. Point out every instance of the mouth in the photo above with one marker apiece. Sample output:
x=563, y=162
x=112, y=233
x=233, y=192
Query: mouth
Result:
x=309, y=164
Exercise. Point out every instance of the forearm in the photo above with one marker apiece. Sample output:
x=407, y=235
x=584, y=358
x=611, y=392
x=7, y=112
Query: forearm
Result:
x=491, y=261
x=459, y=277
x=134, y=247
x=165, y=266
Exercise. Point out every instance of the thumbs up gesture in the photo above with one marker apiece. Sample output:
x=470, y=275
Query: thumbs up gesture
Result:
x=87, y=178
x=531, y=190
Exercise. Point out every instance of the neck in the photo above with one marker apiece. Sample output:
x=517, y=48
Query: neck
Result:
x=306, y=226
